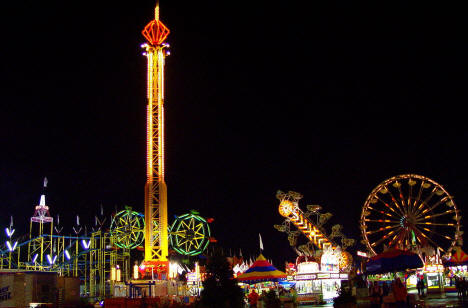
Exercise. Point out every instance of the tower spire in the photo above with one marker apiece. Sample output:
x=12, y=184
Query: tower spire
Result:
x=156, y=241
x=156, y=10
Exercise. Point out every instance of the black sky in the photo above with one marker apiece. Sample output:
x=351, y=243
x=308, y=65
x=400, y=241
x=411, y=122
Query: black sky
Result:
x=327, y=99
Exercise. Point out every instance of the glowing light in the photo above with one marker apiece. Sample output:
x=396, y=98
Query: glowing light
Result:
x=155, y=32
x=9, y=231
x=135, y=272
x=361, y=254
x=35, y=258
x=11, y=248
x=67, y=254
x=285, y=208
x=156, y=244
x=113, y=273
x=51, y=260
x=85, y=244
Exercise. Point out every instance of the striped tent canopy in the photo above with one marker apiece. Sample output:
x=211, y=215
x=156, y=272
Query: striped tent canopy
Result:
x=458, y=258
x=261, y=270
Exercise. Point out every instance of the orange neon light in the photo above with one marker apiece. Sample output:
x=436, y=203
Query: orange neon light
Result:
x=155, y=32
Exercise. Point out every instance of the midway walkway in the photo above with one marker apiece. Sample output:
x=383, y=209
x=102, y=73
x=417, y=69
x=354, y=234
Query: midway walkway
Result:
x=430, y=301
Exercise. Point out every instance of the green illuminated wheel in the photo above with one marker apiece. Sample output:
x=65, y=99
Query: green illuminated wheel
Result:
x=190, y=234
x=128, y=229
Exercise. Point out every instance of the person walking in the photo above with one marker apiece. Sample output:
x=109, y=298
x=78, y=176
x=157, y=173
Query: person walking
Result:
x=420, y=286
x=464, y=287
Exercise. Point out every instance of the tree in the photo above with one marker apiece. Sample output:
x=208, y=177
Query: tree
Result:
x=220, y=288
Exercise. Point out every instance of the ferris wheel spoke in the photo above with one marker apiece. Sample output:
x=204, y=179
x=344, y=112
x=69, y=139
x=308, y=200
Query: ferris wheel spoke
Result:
x=396, y=238
x=382, y=229
x=420, y=191
x=404, y=205
x=436, y=224
x=394, y=201
x=381, y=212
x=387, y=205
x=421, y=204
x=434, y=206
x=386, y=221
x=430, y=240
x=411, y=183
x=435, y=215
x=438, y=234
x=383, y=238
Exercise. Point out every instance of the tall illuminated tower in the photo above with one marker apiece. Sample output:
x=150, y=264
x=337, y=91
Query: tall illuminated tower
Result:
x=156, y=241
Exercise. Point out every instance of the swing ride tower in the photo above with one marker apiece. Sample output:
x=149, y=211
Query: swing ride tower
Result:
x=156, y=234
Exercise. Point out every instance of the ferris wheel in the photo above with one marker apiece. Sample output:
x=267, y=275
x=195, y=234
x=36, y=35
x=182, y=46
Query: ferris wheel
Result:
x=410, y=211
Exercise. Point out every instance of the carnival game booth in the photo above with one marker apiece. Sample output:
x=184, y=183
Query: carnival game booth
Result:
x=455, y=268
x=317, y=283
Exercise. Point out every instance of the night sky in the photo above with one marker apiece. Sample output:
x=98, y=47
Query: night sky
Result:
x=327, y=99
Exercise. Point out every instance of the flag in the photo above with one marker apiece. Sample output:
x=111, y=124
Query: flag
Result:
x=261, y=243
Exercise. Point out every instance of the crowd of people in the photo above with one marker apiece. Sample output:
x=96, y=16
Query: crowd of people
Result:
x=283, y=297
x=462, y=286
x=395, y=293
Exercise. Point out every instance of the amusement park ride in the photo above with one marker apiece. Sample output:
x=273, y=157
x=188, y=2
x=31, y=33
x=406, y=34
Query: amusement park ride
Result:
x=102, y=257
x=411, y=212
x=319, y=241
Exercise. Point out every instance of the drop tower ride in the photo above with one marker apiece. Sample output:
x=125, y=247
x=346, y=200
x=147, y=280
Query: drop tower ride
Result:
x=156, y=236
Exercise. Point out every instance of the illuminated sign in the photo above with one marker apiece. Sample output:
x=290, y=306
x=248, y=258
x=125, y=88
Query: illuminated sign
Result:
x=344, y=276
x=323, y=275
x=336, y=276
x=434, y=268
x=307, y=267
x=306, y=277
x=361, y=254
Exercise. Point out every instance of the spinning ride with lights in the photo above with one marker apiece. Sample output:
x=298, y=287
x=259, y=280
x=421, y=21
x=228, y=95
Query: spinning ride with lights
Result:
x=313, y=230
x=410, y=212
x=128, y=229
x=190, y=234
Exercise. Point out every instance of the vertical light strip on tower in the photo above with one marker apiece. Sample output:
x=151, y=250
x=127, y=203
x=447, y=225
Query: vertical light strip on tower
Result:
x=156, y=241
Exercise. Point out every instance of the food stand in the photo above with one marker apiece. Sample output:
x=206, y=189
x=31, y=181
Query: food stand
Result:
x=318, y=283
